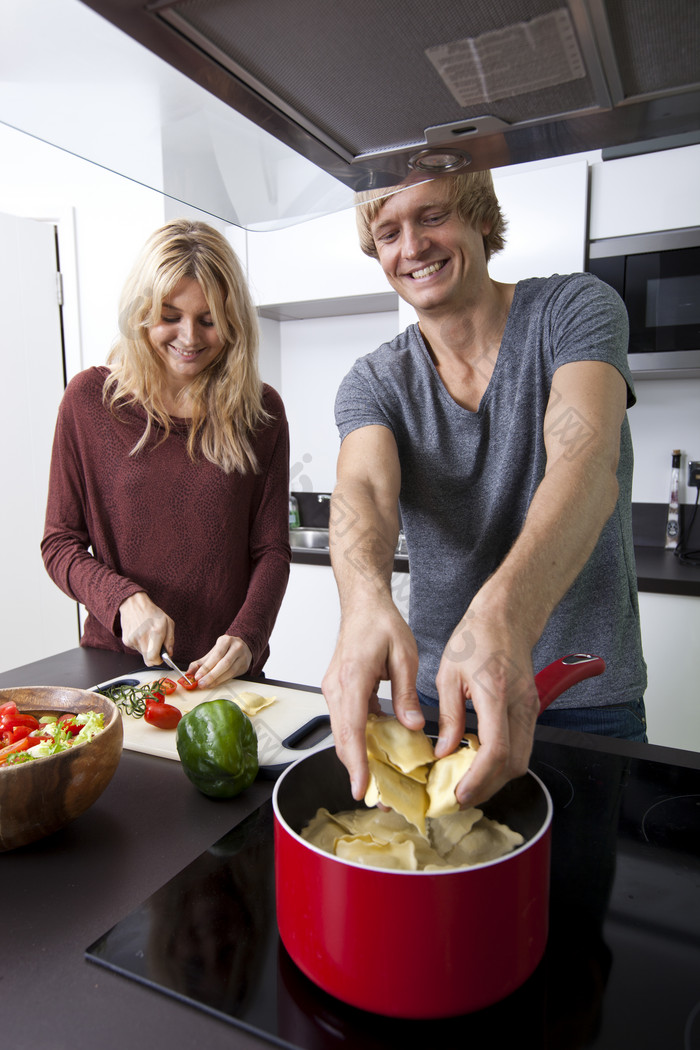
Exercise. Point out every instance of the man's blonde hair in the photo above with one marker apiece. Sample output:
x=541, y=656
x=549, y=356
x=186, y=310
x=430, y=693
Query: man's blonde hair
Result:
x=471, y=194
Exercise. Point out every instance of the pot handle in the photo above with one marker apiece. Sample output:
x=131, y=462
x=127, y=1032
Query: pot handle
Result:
x=557, y=677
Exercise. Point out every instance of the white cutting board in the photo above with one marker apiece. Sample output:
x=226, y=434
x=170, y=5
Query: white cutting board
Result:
x=293, y=714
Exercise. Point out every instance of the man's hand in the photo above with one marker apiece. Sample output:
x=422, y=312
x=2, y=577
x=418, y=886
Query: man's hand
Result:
x=146, y=628
x=374, y=644
x=491, y=664
x=229, y=658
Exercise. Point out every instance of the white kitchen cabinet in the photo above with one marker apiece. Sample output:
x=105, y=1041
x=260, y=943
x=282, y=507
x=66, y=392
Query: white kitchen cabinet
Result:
x=303, y=641
x=546, y=208
x=670, y=633
x=304, y=637
x=316, y=260
x=643, y=194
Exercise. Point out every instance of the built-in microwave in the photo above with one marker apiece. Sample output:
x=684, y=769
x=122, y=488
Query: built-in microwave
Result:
x=658, y=276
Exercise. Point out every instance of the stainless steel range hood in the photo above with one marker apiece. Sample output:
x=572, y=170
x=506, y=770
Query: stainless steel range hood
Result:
x=363, y=88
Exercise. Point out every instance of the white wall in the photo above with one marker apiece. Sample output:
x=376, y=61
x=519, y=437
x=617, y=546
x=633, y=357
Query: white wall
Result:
x=666, y=417
x=316, y=354
x=103, y=220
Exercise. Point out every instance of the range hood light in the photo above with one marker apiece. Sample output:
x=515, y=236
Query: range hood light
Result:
x=439, y=162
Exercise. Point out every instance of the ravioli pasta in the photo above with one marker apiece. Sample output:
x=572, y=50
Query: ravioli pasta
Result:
x=423, y=829
x=251, y=703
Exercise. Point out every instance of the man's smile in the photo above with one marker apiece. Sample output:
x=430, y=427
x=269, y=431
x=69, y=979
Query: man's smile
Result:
x=426, y=271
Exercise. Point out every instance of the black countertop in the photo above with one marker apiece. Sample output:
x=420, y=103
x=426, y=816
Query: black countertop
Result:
x=621, y=968
x=658, y=570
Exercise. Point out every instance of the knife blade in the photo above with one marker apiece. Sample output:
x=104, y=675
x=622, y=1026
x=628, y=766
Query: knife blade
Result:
x=165, y=657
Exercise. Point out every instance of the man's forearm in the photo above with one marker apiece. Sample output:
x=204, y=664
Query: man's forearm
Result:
x=363, y=535
x=562, y=527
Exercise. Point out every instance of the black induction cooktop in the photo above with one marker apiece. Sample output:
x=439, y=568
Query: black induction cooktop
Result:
x=622, y=966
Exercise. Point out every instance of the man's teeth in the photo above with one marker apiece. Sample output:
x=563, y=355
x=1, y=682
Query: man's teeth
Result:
x=433, y=268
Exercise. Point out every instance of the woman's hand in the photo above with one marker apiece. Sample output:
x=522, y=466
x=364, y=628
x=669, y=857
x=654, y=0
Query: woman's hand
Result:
x=229, y=658
x=146, y=628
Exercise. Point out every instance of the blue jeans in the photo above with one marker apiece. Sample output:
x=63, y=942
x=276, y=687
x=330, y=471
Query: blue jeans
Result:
x=625, y=721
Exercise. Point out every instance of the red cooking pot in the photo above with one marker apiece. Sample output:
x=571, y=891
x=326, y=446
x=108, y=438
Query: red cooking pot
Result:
x=416, y=944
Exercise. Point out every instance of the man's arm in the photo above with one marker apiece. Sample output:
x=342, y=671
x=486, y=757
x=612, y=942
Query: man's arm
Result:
x=374, y=642
x=488, y=656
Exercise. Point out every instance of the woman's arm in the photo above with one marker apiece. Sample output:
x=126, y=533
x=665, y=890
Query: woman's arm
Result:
x=267, y=558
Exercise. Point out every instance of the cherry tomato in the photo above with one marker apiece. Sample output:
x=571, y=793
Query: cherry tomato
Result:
x=187, y=683
x=157, y=695
x=162, y=716
x=168, y=685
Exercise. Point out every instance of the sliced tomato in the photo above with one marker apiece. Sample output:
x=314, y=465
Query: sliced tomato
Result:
x=14, y=733
x=162, y=716
x=168, y=686
x=17, y=718
x=13, y=749
x=70, y=724
x=187, y=682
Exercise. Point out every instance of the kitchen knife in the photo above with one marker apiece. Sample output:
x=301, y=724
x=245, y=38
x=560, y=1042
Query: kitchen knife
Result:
x=165, y=657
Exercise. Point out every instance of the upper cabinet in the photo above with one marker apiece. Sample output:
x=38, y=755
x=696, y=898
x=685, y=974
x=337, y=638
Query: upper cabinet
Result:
x=546, y=206
x=646, y=193
x=315, y=260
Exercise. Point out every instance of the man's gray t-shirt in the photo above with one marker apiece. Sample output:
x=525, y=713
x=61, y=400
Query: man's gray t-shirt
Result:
x=468, y=478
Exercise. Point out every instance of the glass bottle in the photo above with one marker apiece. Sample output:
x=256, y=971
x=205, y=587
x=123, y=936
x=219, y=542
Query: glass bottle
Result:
x=294, y=519
x=673, y=516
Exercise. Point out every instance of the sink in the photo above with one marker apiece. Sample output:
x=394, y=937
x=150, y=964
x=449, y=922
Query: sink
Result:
x=309, y=539
x=316, y=539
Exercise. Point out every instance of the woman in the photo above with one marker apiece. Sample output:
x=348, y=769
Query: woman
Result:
x=167, y=513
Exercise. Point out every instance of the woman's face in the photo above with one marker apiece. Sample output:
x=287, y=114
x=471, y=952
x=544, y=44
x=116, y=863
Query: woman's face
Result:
x=185, y=338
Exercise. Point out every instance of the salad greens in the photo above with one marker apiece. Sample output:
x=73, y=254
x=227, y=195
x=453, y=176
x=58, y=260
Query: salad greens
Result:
x=55, y=735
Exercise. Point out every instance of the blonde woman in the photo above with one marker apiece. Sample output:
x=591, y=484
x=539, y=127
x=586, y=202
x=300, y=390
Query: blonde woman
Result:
x=167, y=512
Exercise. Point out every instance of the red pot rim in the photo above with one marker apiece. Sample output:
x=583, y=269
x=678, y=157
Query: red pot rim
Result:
x=393, y=872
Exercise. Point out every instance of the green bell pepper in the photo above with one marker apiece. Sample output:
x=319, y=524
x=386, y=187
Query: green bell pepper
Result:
x=218, y=748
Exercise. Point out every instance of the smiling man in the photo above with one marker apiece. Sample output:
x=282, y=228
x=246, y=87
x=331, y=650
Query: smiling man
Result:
x=498, y=425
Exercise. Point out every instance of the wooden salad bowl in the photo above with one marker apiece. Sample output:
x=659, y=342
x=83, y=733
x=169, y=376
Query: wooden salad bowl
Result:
x=39, y=797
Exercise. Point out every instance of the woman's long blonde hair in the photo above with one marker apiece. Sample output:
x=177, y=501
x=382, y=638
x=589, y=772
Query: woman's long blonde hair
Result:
x=227, y=395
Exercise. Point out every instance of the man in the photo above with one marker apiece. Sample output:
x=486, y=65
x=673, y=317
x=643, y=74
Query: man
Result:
x=499, y=425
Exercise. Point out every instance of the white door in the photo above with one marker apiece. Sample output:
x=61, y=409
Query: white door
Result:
x=36, y=619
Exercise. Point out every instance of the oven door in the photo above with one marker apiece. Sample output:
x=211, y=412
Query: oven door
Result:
x=662, y=293
x=658, y=277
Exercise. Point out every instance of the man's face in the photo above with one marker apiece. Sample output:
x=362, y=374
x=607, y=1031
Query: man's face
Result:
x=430, y=256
